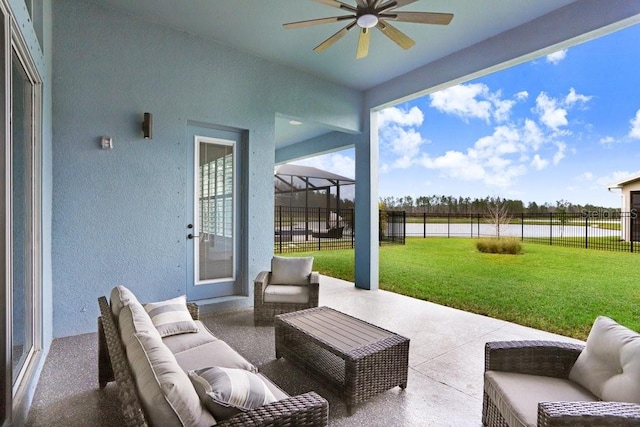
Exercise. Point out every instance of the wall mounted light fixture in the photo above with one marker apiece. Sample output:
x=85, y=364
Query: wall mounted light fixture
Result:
x=147, y=126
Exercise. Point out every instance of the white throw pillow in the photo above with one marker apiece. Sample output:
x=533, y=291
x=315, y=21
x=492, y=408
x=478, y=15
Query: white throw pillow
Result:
x=290, y=271
x=171, y=317
x=226, y=391
x=609, y=365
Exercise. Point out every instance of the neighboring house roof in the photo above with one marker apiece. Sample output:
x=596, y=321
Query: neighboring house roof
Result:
x=626, y=181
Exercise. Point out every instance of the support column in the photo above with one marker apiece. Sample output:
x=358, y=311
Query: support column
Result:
x=366, y=211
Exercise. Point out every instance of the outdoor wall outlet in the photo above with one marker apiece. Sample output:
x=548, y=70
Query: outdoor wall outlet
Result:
x=107, y=143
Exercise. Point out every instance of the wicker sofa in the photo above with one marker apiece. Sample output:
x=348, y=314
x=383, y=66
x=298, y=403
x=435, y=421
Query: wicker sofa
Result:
x=545, y=383
x=138, y=371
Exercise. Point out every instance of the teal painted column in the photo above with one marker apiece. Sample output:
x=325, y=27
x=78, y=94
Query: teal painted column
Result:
x=366, y=251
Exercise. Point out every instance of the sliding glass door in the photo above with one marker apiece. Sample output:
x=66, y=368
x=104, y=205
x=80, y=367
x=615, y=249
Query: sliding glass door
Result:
x=25, y=214
x=20, y=233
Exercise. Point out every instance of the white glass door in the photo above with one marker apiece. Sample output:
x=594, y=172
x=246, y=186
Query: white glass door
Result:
x=215, y=255
x=213, y=240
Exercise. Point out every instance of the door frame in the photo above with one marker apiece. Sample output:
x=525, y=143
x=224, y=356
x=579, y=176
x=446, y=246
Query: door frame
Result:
x=634, y=220
x=217, y=288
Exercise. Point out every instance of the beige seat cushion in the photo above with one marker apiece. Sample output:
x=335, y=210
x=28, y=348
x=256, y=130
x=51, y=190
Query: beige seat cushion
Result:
x=609, y=365
x=291, y=271
x=215, y=353
x=517, y=395
x=286, y=293
x=167, y=395
x=183, y=342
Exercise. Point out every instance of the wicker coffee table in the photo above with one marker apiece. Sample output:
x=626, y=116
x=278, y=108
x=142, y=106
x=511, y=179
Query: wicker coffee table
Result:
x=355, y=358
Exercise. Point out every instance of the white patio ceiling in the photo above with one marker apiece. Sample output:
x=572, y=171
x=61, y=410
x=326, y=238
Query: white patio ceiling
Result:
x=255, y=27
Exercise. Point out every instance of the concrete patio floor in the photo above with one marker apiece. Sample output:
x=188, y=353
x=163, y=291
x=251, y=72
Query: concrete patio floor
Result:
x=446, y=363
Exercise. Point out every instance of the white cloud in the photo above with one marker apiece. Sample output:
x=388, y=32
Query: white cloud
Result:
x=556, y=57
x=562, y=147
x=587, y=176
x=551, y=115
x=397, y=132
x=502, y=109
x=573, y=98
x=398, y=116
x=475, y=101
x=496, y=159
x=461, y=101
x=456, y=165
x=607, y=140
x=505, y=140
x=405, y=142
x=341, y=163
x=539, y=163
x=634, y=132
x=553, y=111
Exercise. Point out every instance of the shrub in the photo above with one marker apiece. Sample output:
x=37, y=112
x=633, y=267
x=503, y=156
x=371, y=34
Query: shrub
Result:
x=499, y=246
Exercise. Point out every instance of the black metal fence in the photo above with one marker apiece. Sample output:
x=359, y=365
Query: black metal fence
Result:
x=392, y=227
x=312, y=229
x=318, y=229
x=604, y=230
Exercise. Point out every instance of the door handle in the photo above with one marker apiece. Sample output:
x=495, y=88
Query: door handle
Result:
x=191, y=236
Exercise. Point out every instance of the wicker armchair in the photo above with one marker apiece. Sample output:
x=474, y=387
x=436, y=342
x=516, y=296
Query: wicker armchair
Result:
x=548, y=359
x=264, y=312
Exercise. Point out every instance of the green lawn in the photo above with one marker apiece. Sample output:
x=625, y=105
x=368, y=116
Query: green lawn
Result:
x=556, y=289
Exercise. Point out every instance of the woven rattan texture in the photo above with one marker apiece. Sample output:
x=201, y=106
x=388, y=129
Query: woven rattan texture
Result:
x=305, y=410
x=131, y=407
x=264, y=312
x=356, y=375
x=552, y=359
x=548, y=358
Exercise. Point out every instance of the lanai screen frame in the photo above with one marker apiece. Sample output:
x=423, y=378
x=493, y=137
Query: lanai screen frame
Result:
x=314, y=179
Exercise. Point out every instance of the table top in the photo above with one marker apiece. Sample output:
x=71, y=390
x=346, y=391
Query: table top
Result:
x=336, y=329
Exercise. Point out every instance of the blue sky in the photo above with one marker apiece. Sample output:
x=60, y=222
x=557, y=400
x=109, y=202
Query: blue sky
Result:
x=561, y=127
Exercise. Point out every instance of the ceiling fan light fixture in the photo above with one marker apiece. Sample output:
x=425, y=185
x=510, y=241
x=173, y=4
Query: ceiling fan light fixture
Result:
x=367, y=14
x=368, y=20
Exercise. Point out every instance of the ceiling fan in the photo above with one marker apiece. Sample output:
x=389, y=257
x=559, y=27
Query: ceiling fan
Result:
x=373, y=13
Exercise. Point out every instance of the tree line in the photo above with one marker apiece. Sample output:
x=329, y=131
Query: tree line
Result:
x=469, y=206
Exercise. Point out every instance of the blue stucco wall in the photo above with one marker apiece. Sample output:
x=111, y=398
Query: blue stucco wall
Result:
x=119, y=215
